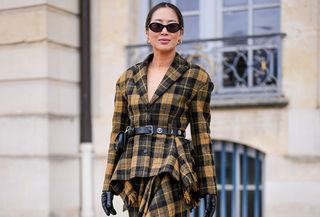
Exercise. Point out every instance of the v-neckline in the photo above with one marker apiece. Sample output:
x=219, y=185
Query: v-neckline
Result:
x=176, y=69
x=158, y=86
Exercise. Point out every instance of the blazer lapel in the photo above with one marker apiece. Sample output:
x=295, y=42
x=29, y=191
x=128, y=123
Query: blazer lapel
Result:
x=140, y=79
x=175, y=71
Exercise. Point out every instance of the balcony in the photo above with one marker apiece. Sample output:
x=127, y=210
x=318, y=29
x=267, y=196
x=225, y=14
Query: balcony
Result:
x=246, y=70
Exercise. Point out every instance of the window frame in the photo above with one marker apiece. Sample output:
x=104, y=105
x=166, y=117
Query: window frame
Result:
x=236, y=187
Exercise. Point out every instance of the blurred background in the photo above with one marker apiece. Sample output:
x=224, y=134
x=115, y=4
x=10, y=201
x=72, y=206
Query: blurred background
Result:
x=59, y=64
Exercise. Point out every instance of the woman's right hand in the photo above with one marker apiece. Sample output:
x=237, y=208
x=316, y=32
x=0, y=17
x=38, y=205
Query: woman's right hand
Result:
x=107, y=202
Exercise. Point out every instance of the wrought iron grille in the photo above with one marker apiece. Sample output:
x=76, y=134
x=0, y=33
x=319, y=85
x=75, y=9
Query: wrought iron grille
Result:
x=238, y=66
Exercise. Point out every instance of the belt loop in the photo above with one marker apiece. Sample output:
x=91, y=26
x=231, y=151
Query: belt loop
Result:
x=129, y=130
x=150, y=129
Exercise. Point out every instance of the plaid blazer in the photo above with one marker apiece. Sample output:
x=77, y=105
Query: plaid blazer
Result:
x=182, y=97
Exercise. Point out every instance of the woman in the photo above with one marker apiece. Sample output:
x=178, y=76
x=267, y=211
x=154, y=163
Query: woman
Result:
x=152, y=166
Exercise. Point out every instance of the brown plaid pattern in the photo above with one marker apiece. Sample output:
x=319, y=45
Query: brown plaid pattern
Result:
x=183, y=96
x=157, y=196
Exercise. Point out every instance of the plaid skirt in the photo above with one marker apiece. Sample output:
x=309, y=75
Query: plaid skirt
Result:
x=154, y=196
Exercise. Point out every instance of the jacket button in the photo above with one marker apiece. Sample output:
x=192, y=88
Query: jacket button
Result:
x=145, y=151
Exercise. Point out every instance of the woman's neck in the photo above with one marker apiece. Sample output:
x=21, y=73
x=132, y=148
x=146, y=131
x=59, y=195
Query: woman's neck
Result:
x=162, y=60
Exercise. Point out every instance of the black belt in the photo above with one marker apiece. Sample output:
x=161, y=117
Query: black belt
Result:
x=149, y=129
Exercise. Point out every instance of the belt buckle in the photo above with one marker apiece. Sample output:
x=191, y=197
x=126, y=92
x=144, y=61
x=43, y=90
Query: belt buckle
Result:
x=150, y=129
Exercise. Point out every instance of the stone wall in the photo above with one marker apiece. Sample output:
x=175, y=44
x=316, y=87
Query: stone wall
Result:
x=39, y=112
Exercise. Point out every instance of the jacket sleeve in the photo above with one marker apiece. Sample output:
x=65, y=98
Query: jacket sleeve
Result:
x=120, y=121
x=200, y=117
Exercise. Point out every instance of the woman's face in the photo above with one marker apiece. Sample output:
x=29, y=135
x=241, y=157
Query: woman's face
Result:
x=164, y=41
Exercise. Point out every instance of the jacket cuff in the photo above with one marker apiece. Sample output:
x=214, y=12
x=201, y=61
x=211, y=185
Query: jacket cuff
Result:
x=206, y=175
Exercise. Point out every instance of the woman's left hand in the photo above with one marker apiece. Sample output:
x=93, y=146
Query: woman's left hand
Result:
x=107, y=202
x=210, y=204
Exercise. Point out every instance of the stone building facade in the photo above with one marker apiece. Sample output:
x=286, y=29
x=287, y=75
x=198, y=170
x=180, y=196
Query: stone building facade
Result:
x=39, y=112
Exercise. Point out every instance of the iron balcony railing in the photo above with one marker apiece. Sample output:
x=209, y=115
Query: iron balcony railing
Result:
x=239, y=66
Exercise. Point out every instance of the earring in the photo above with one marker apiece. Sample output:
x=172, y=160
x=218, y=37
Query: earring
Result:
x=148, y=41
x=179, y=41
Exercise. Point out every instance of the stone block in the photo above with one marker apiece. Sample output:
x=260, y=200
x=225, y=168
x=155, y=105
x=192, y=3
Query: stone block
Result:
x=264, y=129
x=304, y=132
x=25, y=61
x=64, y=186
x=300, y=69
x=63, y=135
x=63, y=63
x=63, y=98
x=299, y=15
x=292, y=199
x=70, y=5
x=13, y=4
x=24, y=135
x=39, y=97
x=30, y=22
x=299, y=62
x=24, y=187
x=292, y=186
x=39, y=60
x=292, y=168
x=63, y=28
x=39, y=23
x=24, y=97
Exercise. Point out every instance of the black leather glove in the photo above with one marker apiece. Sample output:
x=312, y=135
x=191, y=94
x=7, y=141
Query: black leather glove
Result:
x=210, y=202
x=107, y=202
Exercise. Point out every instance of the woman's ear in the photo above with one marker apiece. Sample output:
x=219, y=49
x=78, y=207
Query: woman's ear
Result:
x=182, y=31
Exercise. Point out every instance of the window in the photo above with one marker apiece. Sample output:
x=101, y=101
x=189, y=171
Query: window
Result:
x=250, y=64
x=239, y=173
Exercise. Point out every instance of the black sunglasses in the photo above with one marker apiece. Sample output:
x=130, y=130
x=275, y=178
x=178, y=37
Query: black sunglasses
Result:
x=171, y=27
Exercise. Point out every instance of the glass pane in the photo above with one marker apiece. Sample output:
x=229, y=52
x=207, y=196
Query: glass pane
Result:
x=217, y=208
x=188, y=5
x=250, y=203
x=247, y=169
x=191, y=27
x=250, y=170
x=217, y=156
x=228, y=203
x=260, y=204
x=235, y=24
x=266, y=1
x=227, y=3
x=266, y=21
x=228, y=168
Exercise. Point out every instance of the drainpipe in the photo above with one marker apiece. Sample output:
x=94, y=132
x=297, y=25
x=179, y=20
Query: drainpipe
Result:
x=86, y=150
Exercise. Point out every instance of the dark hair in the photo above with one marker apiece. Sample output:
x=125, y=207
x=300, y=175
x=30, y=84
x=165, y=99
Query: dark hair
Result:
x=163, y=5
